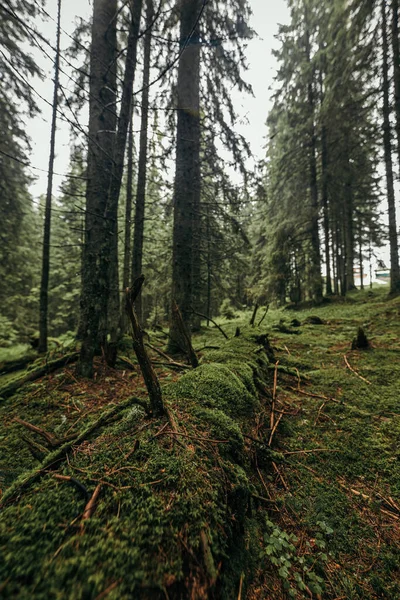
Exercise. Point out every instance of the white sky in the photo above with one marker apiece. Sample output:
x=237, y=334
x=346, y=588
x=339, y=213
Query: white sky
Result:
x=253, y=111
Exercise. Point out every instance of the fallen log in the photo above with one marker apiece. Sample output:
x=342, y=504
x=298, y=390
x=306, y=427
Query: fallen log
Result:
x=10, y=388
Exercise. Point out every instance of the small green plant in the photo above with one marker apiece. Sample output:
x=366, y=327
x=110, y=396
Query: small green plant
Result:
x=226, y=310
x=297, y=572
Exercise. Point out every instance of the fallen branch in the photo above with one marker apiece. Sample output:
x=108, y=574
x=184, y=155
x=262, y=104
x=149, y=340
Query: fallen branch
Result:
x=311, y=395
x=17, y=364
x=277, y=471
x=274, y=429
x=170, y=365
x=91, y=505
x=212, y=321
x=10, y=388
x=286, y=453
x=393, y=508
x=79, y=486
x=354, y=371
x=55, y=457
x=52, y=441
x=171, y=362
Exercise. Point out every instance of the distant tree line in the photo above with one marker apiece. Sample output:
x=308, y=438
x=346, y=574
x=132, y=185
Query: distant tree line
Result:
x=150, y=187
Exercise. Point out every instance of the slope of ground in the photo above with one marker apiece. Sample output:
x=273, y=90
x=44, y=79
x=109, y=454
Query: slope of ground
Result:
x=277, y=483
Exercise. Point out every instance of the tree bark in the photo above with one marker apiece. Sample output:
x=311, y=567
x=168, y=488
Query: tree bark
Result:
x=138, y=235
x=128, y=217
x=102, y=126
x=396, y=69
x=109, y=256
x=349, y=230
x=187, y=182
x=44, y=286
x=148, y=372
x=387, y=145
x=315, y=255
x=101, y=248
x=325, y=208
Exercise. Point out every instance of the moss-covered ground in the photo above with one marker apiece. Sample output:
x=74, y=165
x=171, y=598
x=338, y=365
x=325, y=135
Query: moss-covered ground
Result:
x=281, y=478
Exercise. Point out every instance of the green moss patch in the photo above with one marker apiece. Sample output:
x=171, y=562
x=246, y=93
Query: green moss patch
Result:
x=173, y=506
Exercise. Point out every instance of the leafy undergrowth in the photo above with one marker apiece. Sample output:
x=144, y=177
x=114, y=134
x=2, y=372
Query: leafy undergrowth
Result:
x=277, y=481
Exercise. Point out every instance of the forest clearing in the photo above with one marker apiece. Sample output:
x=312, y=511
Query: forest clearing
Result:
x=275, y=476
x=199, y=299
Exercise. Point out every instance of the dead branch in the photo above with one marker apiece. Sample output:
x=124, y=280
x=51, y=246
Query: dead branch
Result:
x=311, y=395
x=79, y=486
x=149, y=374
x=212, y=321
x=274, y=429
x=52, y=441
x=55, y=457
x=354, y=371
x=171, y=362
x=10, y=388
x=91, y=505
x=277, y=471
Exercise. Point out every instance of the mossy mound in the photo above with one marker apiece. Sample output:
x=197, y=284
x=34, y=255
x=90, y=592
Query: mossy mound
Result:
x=173, y=505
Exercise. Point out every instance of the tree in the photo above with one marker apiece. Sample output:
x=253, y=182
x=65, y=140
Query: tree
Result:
x=187, y=171
x=102, y=126
x=44, y=287
x=387, y=146
x=137, y=253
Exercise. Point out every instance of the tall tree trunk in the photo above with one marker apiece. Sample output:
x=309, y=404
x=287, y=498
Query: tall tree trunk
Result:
x=387, y=144
x=102, y=126
x=208, y=234
x=105, y=166
x=325, y=208
x=44, y=287
x=324, y=177
x=128, y=217
x=138, y=235
x=396, y=69
x=349, y=230
x=187, y=166
x=315, y=255
x=360, y=256
x=109, y=256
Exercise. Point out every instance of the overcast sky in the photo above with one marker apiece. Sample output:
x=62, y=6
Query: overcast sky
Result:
x=253, y=111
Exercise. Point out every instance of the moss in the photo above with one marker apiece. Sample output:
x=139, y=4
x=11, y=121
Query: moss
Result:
x=145, y=535
x=220, y=426
x=215, y=386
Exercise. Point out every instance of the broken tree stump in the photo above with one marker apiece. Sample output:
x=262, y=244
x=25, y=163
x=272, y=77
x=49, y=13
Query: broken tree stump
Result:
x=361, y=341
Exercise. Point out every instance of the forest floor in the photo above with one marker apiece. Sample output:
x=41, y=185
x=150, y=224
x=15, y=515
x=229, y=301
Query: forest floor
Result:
x=336, y=497
x=330, y=498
